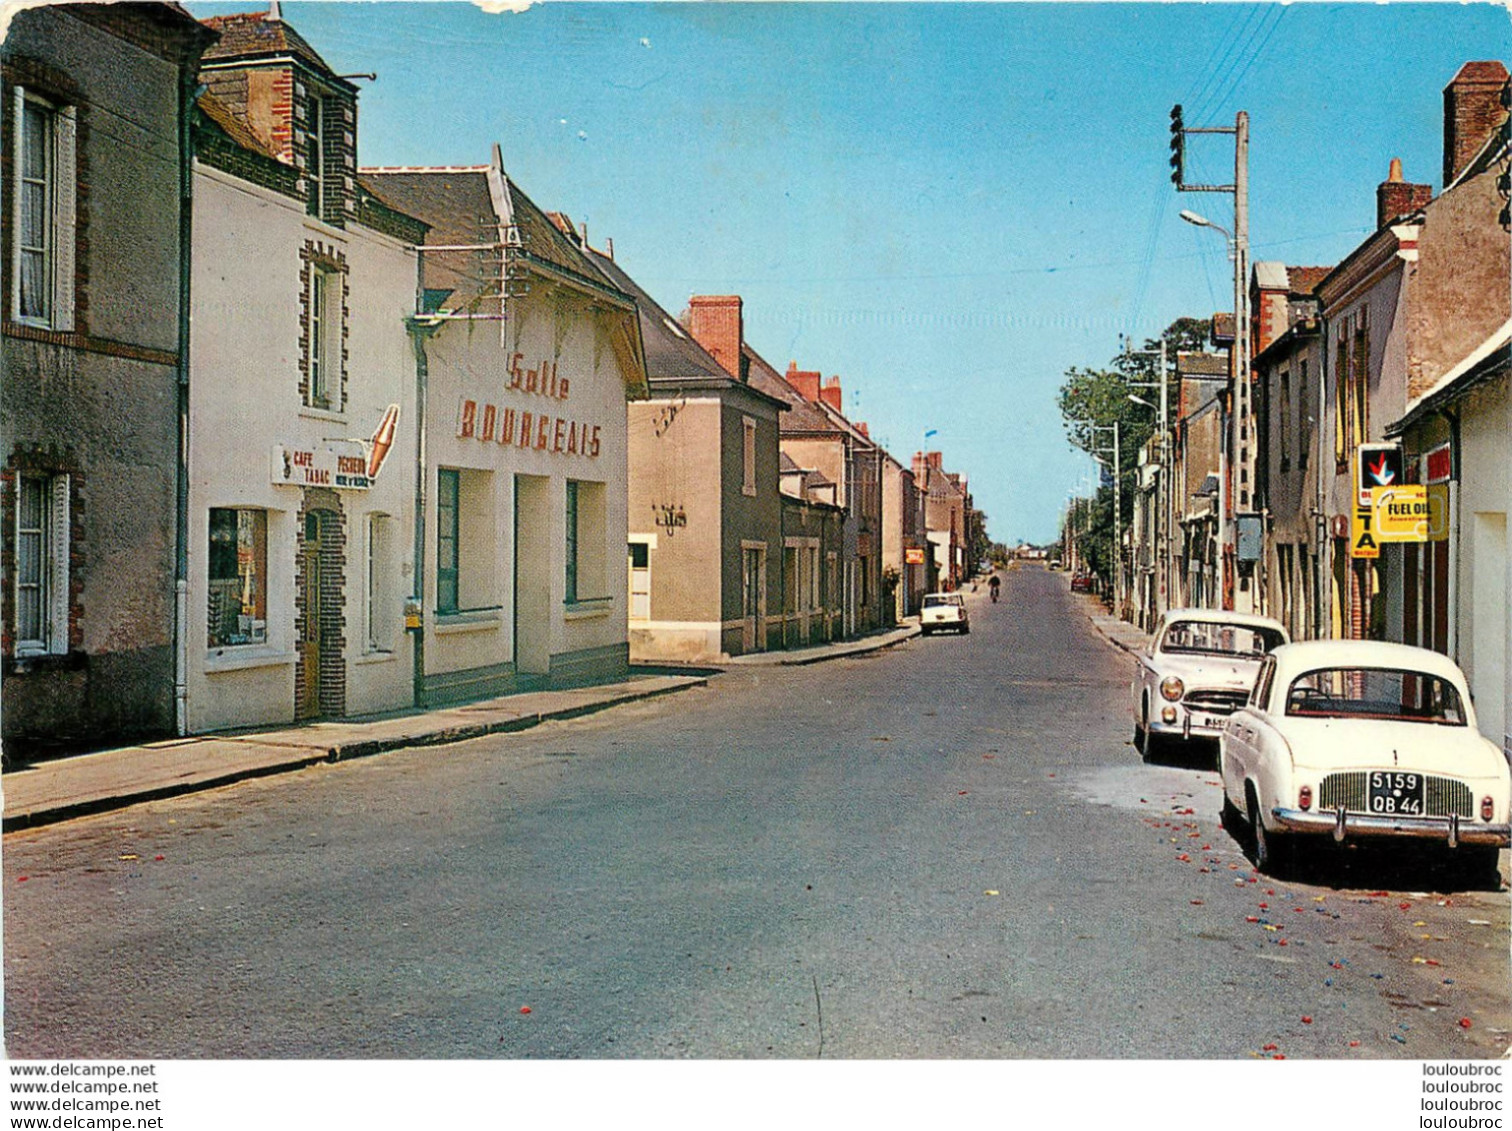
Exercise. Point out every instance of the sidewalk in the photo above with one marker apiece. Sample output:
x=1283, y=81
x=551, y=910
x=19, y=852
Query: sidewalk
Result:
x=1121, y=634
x=70, y=787
x=62, y=788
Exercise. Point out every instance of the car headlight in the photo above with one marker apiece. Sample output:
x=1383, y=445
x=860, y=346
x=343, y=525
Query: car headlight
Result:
x=1172, y=687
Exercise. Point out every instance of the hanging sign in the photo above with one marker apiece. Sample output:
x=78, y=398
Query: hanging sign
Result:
x=320, y=467
x=1402, y=514
x=1377, y=465
x=913, y=557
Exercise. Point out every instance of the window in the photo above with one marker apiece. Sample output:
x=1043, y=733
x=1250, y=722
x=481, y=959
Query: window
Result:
x=1304, y=420
x=448, y=515
x=380, y=611
x=1283, y=421
x=325, y=286
x=238, y=605
x=585, y=543
x=748, y=484
x=1375, y=693
x=41, y=569
x=316, y=157
x=42, y=264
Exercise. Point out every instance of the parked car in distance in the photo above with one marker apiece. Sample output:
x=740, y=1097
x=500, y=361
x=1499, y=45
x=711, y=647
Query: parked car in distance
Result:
x=1198, y=671
x=1055, y=563
x=944, y=610
x=1355, y=739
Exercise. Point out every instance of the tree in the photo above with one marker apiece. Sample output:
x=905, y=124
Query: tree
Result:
x=1091, y=401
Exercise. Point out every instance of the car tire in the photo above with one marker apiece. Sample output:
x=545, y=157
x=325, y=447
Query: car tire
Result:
x=1139, y=738
x=1230, y=818
x=965, y=629
x=1273, y=851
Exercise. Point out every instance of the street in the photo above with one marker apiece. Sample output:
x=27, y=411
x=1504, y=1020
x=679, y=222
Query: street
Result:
x=944, y=849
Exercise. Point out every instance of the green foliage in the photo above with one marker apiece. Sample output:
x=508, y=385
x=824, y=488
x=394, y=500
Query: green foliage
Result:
x=1092, y=401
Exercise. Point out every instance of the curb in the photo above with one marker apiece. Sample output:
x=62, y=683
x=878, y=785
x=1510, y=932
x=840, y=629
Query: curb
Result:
x=303, y=757
x=860, y=650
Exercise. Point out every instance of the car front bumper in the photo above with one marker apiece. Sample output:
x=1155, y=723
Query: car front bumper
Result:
x=1453, y=831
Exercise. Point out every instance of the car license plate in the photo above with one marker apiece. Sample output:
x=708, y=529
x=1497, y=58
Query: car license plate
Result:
x=1217, y=722
x=1393, y=794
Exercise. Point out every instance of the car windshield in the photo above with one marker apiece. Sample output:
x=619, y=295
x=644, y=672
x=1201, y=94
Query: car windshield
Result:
x=1375, y=693
x=935, y=600
x=1218, y=639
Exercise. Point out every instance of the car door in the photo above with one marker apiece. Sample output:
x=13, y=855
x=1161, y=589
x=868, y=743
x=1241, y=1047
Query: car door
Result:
x=1241, y=736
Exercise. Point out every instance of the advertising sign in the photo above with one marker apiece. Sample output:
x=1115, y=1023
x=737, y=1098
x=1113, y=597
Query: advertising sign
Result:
x=1377, y=465
x=1402, y=514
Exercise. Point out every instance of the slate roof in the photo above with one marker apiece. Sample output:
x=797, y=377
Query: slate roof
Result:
x=456, y=204
x=672, y=354
x=253, y=35
x=1202, y=365
x=222, y=115
x=802, y=415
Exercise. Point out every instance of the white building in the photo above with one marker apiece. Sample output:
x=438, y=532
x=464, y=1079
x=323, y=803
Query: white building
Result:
x=530, y=355
x=299, y=545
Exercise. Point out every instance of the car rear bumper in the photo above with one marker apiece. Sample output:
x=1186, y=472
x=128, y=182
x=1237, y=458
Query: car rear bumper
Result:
x=1453, y=831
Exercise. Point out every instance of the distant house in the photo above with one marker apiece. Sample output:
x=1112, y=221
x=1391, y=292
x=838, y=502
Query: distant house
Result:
x=95, y=330
x=707, y=560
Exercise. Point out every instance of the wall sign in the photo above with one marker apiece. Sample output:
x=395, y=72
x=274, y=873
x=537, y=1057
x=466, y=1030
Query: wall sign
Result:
x=320, y=467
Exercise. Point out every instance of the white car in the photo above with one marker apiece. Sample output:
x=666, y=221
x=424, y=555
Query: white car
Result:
x=944, y=610
x=1358, y=738
x=1198, y=671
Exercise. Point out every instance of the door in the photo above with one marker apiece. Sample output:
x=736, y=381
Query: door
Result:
x=312, y=619
x=640, y=581
x=753, y=588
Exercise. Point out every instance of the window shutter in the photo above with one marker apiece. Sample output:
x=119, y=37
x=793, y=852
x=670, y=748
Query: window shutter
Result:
x=59, y=529
x=65, y=216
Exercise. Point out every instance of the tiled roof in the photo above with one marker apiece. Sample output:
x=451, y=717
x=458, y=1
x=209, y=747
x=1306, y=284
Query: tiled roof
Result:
x=1482, y=70
x=1202, y=365
x=1304, y=280
x=219, y=113
x=251, y=34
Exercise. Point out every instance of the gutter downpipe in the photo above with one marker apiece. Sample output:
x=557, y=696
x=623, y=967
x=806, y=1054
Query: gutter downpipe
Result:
x=188, y=87
x=419, y=332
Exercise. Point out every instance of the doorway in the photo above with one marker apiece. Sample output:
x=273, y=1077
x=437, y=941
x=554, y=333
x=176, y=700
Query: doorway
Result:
x=320, y=666
x=532, y=577
x=753, y=599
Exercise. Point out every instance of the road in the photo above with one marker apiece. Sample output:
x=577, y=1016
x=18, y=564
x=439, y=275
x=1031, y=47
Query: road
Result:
x=946, y=849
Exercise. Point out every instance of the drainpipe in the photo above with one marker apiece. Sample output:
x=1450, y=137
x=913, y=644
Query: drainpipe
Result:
x=188, y=95
x=419, y=331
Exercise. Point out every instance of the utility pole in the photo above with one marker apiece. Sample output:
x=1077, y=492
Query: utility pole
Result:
x=1163, y=472
x=1241, y=447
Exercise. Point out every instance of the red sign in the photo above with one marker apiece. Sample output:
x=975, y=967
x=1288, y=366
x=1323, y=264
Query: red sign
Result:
x=1438, y=465
x=913, y=557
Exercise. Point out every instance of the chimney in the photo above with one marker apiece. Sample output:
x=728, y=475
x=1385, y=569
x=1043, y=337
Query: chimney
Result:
x=830, y=394
x=715, y=323
x=935, y=460
x=806, y=381
x=1395, y=197
x=919, y=465
x=1472, y=111
x=861, y=428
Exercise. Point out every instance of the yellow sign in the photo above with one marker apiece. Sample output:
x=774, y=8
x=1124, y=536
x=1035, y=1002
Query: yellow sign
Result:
x=1438, y=512
x=1402, y=514
x=1363, y=542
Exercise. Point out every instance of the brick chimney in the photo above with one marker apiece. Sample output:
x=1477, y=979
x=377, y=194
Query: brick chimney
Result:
x=1395, y=197
x=830, y=394
x=806, y=381
x=920, y=464
x=716, y=323
x=862, y=428
x=935, y=460
x=1472, y=112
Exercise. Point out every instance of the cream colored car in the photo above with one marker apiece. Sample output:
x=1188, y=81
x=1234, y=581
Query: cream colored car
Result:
x=1198, y=670
x=944, y=610
x=1357, y=739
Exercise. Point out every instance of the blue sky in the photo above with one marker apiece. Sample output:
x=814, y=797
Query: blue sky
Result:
x=945, y=204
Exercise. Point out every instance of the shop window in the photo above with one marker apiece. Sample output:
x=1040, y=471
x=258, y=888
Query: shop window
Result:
x=41, y=567
x=238, y=603
x=44, y=194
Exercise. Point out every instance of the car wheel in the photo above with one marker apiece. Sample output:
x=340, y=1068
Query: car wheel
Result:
x=965, y=628
x=1139, y=738
x=1230, y=818
x=1273, y=851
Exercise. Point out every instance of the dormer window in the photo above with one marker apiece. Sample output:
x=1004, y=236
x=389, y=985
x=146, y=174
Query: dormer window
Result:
x=315, y=159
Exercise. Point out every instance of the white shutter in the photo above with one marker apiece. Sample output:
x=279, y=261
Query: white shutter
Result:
x=65, y=215
x=57, y=565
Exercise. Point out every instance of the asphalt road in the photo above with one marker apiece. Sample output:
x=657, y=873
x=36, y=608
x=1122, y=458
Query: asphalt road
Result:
x=946, y=849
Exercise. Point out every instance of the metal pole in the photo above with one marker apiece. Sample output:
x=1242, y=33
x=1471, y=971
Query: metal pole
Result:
x=1163, y=496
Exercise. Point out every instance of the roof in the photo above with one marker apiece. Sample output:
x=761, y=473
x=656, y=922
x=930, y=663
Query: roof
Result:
x=672, y=354
x=1312, y=655
x=222, y=115
x=803, y=415
x=1270, y=275
x=1202, y=365
x=1224, y=616
x=1305, y=280
x=456, y=203
x=1481, y=70
x=252, y=35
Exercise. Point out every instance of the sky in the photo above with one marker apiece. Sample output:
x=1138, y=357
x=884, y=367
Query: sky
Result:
x=947, y=205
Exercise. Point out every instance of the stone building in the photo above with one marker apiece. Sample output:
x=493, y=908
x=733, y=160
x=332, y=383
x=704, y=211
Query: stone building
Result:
x=95, y=334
